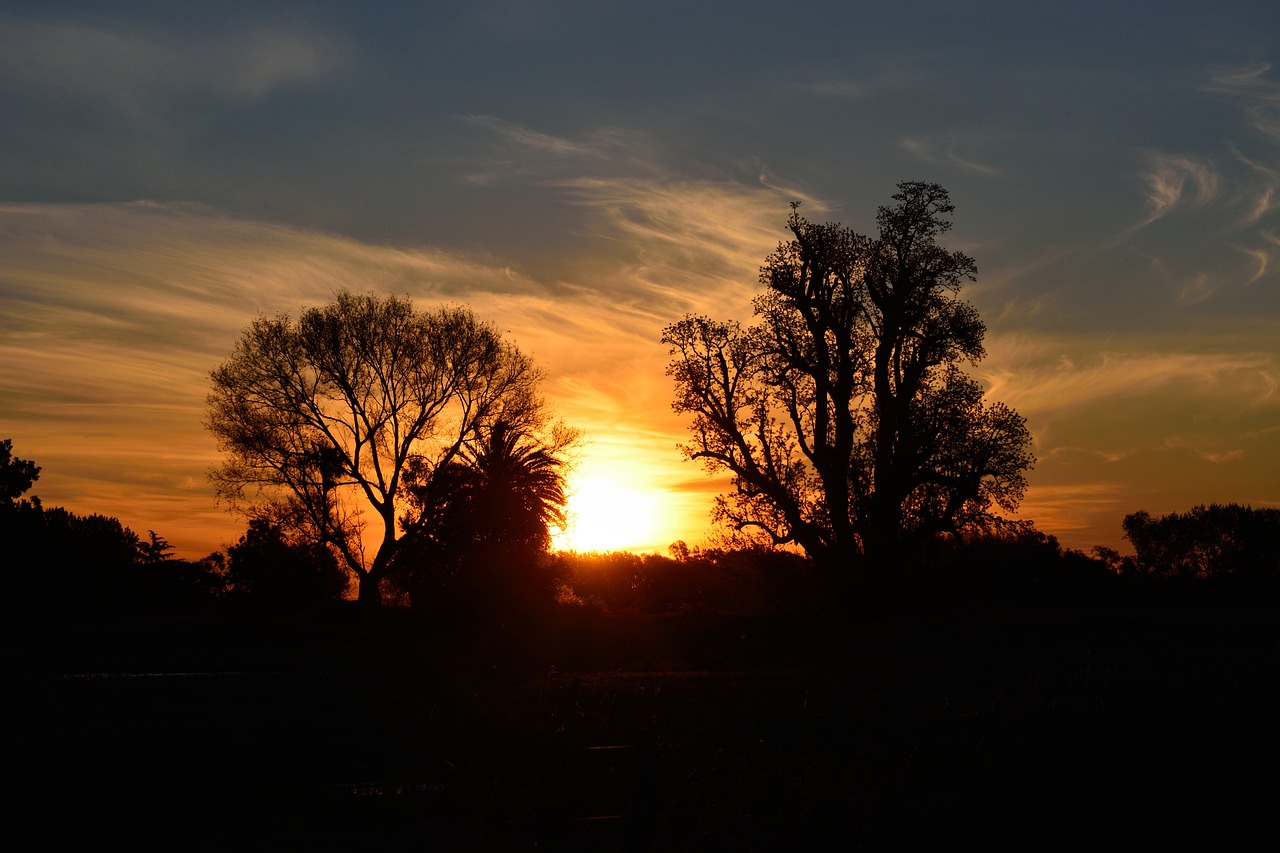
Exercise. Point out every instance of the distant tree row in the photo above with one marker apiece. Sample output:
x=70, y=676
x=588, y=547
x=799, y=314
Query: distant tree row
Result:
x=411, y=451
x=89, y=566
x=65, y=565
x=1214, y=542
x=719, y=581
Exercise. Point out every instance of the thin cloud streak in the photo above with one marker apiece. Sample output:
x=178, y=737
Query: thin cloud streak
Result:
x=1040, y=376
x=1174, y=181
x=1259, y=95
x=943, y=152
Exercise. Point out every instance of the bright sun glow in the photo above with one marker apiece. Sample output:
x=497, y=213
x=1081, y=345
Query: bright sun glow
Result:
x=605, y=516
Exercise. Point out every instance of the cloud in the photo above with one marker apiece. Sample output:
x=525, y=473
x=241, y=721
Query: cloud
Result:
x=1258, y=95
x=523, y=137
x=945, y=152
x=134, y=66
x=1175, y=181
x=1263, y=258
x=689, y=246
x=509, y=150
x=1080, y=513
x=1042, y=377
x=115, y=313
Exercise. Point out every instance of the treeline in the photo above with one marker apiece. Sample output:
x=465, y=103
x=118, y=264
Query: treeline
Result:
x=1219, y=542
x=68, y=565
x=728, y=582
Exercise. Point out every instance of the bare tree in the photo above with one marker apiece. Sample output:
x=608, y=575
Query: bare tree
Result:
x=843, y=414
x=319, y=418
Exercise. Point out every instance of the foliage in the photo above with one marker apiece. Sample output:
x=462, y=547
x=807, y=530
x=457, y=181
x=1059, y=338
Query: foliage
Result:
x=268, y=571
x=843, y=415
x=77, y=565
x=1215, y=541
x=320, y=418
x=705, y=581
x=16, y=475
x=480, y=526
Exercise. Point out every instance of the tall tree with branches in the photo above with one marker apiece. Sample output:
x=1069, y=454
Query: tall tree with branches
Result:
x=843, y=414
x=320, y=417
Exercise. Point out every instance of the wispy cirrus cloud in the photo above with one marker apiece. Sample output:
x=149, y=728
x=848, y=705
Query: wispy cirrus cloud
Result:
x=690, y=246
x=1258, y=93
x=1080, y=512
x=946, y=152
x=1172, y=181
x=509, y=149
x=115, y=313
x=1264, y=257
x=1044, y=377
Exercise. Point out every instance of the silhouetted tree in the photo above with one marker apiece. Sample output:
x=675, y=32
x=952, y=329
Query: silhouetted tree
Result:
x=733, y=582
x=64, y=563
x=1216, y=541
x=322, y=416
x=22, y=540
x=267, y=570
x=483, y=521
x=16, y=475
x=843, y=414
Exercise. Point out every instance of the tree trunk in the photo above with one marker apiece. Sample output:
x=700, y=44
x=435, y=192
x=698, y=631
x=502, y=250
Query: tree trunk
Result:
x=370, y=594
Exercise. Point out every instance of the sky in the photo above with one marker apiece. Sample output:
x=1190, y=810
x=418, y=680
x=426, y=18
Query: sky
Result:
x=585, y=173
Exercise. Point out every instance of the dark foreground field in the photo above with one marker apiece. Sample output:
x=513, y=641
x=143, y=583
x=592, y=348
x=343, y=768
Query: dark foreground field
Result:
x=1026, y=729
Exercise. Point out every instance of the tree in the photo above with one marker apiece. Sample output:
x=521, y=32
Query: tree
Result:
x=842, y=414
x=320, y=417
x=17, y=476
x=1215, y=541
x=522, y=488
x=265, y=569
x=484, y=520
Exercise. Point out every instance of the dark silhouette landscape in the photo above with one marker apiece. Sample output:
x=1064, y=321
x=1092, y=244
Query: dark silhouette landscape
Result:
x=875, y=655
x=1024, y=697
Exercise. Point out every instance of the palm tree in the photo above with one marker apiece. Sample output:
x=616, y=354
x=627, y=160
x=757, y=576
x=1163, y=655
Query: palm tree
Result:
x=520, y=490
x=479, y=524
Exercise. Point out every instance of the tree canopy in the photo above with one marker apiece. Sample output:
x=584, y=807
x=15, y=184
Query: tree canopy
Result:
x=17, y=476
x=491, y=509
x=320, y=417
x=1207, y=542
x=843, y=414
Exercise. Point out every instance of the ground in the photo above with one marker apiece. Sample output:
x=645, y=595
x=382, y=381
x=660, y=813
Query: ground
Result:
x=1014, y=728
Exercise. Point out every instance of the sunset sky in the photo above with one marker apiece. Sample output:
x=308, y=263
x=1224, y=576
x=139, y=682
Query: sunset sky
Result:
x=583, y=174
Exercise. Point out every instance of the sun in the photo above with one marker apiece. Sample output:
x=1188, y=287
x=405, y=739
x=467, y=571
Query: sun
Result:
x=606, y=516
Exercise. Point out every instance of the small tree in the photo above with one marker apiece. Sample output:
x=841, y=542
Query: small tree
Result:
x=320, y=418
x=266, y=570
x=17, y=476
x=843, y=415
x=484, y=521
